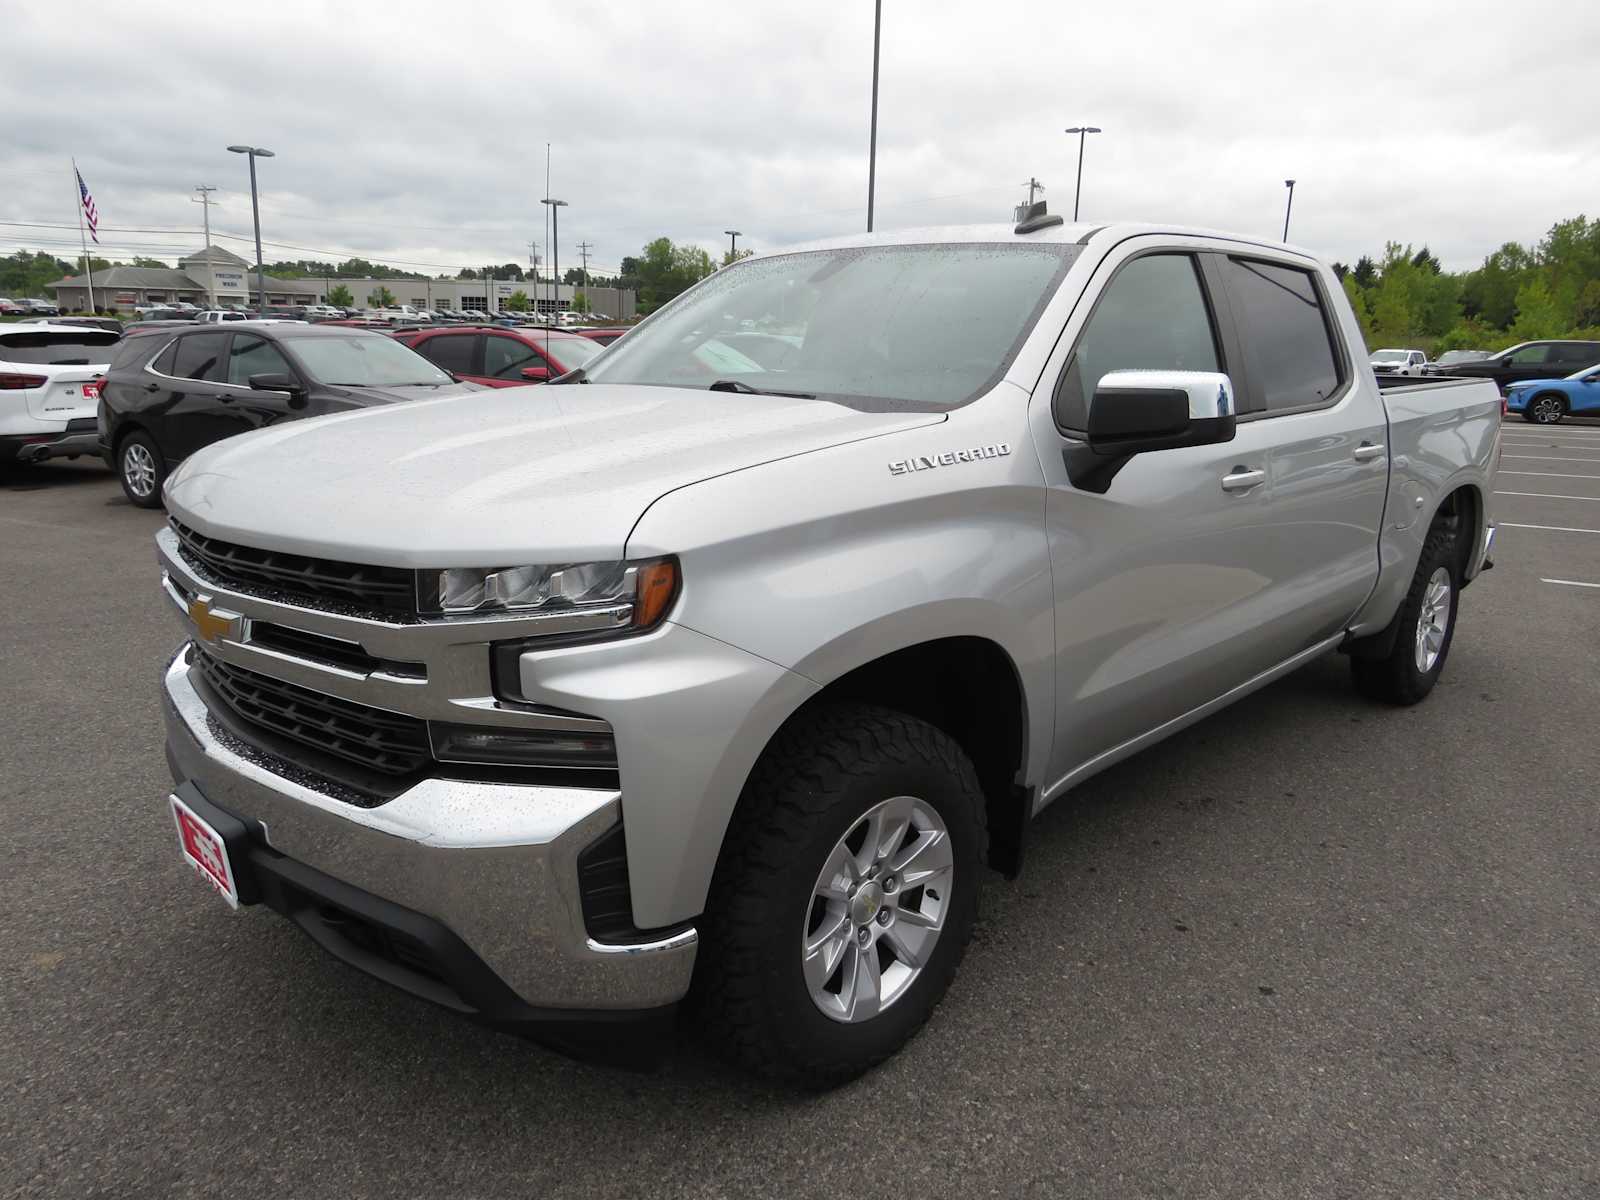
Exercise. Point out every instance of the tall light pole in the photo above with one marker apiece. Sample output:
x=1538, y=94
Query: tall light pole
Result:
x=733, y=242
x=1082, y=131
x=1288, y=208
x=256, y=152
x=205, y=191
x=872, y=151
x=555, y=246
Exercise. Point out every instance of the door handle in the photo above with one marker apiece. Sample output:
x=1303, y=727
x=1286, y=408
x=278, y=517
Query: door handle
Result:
x=1242, y=479
x=225, y=397
x=1367, y=451
x=152, y=387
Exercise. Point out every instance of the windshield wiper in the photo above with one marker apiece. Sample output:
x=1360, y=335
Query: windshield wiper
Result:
x=743, y=388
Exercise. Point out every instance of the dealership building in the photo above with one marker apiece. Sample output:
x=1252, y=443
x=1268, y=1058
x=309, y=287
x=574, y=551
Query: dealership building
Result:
x=215, y=275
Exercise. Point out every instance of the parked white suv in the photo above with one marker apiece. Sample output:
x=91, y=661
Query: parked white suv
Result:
x=545, y=702
x=1398, y=362
x=49, y=394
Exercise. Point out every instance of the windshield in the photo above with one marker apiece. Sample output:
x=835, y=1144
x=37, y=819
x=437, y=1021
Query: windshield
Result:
x=1580, y=374
x=1389, y=356
x=364, y=360
x=569, y=351
x=79, y=348
x=928, y=326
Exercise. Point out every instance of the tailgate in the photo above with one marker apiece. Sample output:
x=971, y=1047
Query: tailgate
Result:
x=67, y=394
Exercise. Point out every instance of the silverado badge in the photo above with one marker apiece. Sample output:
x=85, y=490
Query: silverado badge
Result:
x=926, y=462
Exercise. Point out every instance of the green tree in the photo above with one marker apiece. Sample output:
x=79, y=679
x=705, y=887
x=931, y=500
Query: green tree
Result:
x=1539, y=313
x=666, y=270
x=518, y=301
x=140, y=261
x=1365, y=271
x=381, y=298
x=1358, y=302
x=28, y=273
x=580, y=302
x=341, y=296
x=729, y=257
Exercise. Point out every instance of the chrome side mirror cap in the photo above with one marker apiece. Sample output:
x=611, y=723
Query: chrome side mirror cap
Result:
x=1136, y=411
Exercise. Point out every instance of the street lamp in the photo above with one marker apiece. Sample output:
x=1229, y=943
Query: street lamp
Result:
x=1082, y=131
x=872, y=149
x=256, y=152
x=555, y=246
x=1288, y=208
x=733, y=242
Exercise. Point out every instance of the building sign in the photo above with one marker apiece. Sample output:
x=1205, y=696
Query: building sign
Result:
x=229, y=279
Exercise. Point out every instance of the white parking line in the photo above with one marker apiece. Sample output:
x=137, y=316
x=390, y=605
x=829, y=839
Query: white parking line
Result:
x=1549, y=474
x=1541, y=443
x=1570, y=583
x=1551, y=496
x=1550, y=528
x=1550, y=457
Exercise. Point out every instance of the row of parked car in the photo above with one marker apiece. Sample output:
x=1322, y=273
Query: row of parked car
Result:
x=147, y=399
x=1542, y=381
x=27, y=307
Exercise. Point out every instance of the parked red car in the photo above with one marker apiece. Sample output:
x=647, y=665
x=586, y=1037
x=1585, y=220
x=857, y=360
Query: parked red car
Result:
x=498, y=356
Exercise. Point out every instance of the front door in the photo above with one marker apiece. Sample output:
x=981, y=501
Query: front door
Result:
x=1168, y=570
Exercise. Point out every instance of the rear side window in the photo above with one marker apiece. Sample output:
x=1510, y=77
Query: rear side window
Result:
x=1578, y=353
x=200, y=357
x=169, y=356
x=452, y=351
x=1288, y=345
x=78, y=349
x=1152, y=316
x=252, y=355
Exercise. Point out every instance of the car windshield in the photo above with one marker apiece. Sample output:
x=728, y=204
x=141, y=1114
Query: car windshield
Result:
x=1389, y=356
x=1587, y=370
x=78, y=348
x=928, y=326
x=364, y=360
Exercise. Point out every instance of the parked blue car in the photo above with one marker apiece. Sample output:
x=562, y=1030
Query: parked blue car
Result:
x=1546, y=401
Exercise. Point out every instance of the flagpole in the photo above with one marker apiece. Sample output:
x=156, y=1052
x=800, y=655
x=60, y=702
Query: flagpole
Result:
x=88, y=270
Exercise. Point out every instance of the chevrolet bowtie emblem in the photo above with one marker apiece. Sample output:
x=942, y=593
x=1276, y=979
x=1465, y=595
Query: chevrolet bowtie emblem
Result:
x=208, y=622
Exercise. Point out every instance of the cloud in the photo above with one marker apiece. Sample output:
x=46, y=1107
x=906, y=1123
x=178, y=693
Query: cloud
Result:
x=416, y=133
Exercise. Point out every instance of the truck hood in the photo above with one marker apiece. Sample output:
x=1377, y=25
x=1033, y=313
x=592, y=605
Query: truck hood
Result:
x=514, y=475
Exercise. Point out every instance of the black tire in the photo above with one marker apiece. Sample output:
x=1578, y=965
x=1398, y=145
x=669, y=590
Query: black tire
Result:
x=1555, y=410
x=1397, y=678
x=136, y=495
x=813, y=784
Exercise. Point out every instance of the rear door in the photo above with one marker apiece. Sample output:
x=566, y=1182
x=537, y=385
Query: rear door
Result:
x=1326, y=433
x=53, y=372
x=193, y=411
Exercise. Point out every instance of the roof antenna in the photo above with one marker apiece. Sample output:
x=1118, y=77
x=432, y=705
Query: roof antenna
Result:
x=1034, y=218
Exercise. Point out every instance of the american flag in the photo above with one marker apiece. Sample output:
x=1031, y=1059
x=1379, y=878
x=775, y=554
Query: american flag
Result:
x=88, y=207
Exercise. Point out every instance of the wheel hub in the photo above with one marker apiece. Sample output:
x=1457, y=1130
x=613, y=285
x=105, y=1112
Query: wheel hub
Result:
x=866, y=903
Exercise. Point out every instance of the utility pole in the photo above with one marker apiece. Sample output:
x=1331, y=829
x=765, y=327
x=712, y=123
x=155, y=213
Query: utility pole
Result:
x=204, y=201
x=583, y=251
x=1288, y=208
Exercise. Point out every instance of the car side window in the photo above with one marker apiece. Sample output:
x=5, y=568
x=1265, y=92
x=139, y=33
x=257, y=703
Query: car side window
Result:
x=450, y=352
x=1152, y=315
x=1529, y=356
x=200, y=357
x=504, y=357
x=251, y=355
x=1288, y=343
x=164, y=361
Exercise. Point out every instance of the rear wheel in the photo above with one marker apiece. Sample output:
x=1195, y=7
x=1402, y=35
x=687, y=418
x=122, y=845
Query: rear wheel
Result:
x=845, y=896
x=1547, y=409
x=142, y=470
x=1427, y=626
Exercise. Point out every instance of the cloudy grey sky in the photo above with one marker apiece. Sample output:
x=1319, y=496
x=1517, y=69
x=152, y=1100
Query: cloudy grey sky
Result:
x=415, y=133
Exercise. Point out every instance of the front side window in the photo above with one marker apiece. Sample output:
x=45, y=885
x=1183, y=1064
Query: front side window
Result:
x=1151, y=316
x=1288, y=346
x=252, y=355
x=363, y=360
x=921, y=326
x=505, y=357
x=1528, y=356
x=200, y=357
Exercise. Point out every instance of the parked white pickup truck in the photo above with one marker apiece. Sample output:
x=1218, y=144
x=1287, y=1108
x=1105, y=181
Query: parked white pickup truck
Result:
x=686, y=677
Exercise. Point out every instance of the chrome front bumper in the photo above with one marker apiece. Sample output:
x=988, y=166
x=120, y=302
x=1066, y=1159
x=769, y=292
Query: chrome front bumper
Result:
x=495, y=863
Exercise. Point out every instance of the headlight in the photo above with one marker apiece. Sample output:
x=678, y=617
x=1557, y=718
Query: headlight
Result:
x=607, y=596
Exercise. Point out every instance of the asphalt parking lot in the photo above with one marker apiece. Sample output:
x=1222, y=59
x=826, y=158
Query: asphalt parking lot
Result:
x=1310, y=947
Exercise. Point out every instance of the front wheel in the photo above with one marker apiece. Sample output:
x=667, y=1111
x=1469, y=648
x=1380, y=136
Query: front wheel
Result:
x=845, y=896
x=1547, y=409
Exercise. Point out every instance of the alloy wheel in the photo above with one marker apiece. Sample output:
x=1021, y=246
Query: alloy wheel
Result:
x=1547, y=411
x=139, y=469
x=877, y=910
x=1434, y=620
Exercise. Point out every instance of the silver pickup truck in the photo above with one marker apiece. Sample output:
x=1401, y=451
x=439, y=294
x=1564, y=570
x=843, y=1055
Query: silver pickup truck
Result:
x=719, y=672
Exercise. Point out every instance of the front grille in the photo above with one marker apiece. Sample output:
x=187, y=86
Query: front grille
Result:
x=380, y=741
x=333, y=652
x=315, y=582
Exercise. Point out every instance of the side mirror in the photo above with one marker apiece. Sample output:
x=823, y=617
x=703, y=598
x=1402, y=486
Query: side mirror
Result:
x=1136, y=411
x=276, y=381
x=537, y=374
